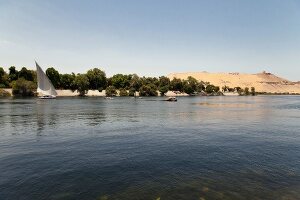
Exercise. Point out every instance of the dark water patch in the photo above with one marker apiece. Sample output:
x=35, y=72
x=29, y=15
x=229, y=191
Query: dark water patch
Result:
x=295, y=106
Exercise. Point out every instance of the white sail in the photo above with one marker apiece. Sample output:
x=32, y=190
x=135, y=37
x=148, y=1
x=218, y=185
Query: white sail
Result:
x=44, y=84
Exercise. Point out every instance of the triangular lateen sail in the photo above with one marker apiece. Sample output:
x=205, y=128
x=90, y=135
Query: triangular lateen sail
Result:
x=44, y=84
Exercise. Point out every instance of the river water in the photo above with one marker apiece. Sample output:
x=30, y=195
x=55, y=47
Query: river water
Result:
x=197, y=148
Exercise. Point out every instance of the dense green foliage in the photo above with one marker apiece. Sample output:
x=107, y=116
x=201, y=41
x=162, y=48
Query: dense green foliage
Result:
x=176, y=84
x=28, y=75
x=54, y=77
x=123, y=92
x=148, y=90
x=246, y=91
x=67, y=81
x=2, y=72
x=253, y=93
x=4, y=81
x=22, y=87
x=23, y=82
x=192, y=86
x=164, y=85
x=239, y=90
x=82, y=84
x=95, y=79
x=135, y=83
x=13, y=74
x=121, y=81
x=211, y=88
x=132, y=92
x=111, y=91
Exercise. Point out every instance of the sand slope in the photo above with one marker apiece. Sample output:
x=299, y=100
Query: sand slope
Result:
x=263, y=82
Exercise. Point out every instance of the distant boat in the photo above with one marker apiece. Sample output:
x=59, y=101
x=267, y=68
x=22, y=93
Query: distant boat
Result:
x=231, y=94
x=171, y=99
x=45, y=87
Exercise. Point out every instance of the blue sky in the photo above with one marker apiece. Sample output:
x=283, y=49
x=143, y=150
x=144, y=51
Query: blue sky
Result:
x=152, y=37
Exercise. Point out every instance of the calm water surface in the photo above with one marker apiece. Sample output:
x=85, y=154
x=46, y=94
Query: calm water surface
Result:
x=198, y=148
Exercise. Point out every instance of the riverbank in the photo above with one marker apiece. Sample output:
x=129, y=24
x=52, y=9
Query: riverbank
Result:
x=96, y=93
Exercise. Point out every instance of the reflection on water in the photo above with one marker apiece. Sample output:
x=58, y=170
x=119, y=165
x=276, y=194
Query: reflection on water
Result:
x=197, y=148
x=225, y=105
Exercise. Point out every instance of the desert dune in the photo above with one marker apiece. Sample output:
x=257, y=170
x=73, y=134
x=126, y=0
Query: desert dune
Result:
x=263, y=82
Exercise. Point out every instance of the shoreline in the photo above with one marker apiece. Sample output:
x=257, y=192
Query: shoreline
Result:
x=96, y=93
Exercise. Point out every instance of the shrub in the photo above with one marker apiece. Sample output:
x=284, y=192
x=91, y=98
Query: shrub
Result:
x=123, y=92
x=187, y=88
x=246, y=91
x=211, y=89
x=148, y=90
x=82, y=84
x=176, y=85
x=110, y=91
x=241, y=92
x=163, y=90
x=131, y=92
x=22, y=87
x=97, y=79
x=253, y=93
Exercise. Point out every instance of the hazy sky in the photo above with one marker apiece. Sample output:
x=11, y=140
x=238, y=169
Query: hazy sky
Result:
x=152, y=37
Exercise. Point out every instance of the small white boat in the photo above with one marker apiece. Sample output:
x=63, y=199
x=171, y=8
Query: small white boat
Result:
x=110, y=98
x=45, y=87
x=171, y=99
x=231, y=94
x=47, y=97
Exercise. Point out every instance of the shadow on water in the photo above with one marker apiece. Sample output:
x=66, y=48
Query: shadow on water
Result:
x=41, y=118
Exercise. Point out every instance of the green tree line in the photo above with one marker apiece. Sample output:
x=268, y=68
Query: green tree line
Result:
x=240, y=91
x=24, y=83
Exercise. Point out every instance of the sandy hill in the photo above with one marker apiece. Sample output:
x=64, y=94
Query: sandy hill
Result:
x=263, y=82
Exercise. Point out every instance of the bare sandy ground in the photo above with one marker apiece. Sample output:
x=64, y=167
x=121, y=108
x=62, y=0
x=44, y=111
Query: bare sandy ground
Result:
x=175, y=94
x=96, y=93
x=263, y=82
x=70, y=93
x=8, y=90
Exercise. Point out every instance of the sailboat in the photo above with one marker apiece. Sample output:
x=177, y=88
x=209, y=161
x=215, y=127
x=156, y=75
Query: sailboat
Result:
x=45, y=87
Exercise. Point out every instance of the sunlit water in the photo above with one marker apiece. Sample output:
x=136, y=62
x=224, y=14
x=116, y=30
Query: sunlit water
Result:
x=197, y=148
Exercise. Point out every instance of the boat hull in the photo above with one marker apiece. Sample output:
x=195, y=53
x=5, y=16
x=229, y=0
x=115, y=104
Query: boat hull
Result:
x=174, y=99
x=48, y=97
